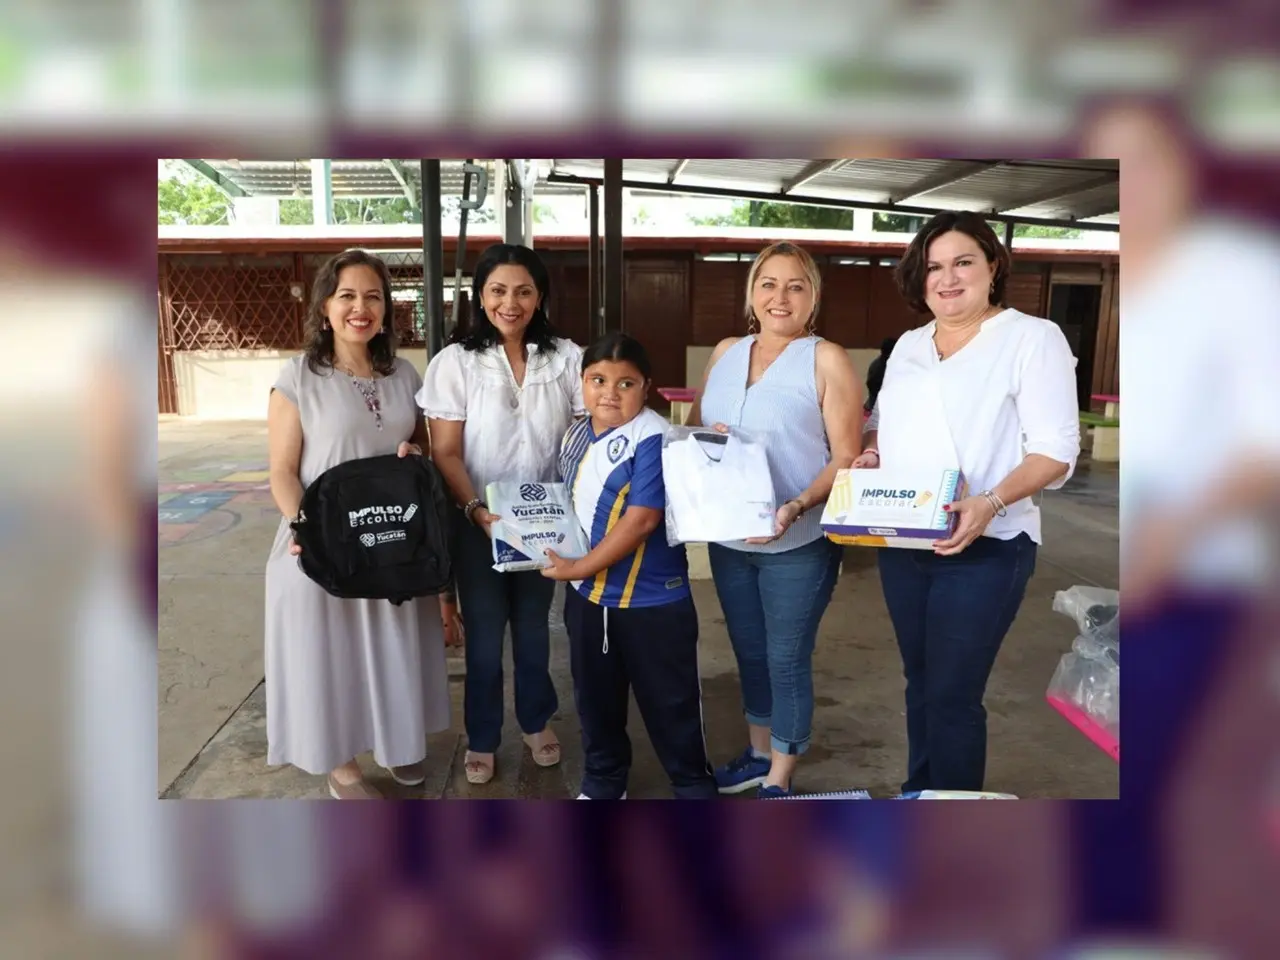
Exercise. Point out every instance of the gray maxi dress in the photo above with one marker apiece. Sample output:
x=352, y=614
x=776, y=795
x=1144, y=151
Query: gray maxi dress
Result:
x=348, y=676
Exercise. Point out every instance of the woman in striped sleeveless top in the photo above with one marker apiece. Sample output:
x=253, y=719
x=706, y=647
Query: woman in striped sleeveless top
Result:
x=799, y=394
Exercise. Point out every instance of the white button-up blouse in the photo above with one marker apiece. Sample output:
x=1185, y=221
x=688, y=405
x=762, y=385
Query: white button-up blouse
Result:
x=510, y=432
x=1009, y=392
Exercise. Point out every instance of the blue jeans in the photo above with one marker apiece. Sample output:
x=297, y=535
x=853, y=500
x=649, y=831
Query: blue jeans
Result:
x=489, y=601
x=951, y=614
x=773, y=603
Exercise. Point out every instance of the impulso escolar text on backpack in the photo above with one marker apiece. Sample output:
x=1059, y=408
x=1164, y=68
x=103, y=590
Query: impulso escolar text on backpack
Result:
x=377, y=528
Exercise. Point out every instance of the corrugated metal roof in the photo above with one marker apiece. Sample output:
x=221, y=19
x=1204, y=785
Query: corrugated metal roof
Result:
x=351, y=178
x=1064, y=189
x=368, y=178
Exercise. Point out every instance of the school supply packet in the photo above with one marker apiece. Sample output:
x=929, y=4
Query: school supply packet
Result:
x=535, y=517
x=892, y=508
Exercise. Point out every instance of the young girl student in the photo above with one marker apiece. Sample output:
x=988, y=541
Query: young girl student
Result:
x=628, y=607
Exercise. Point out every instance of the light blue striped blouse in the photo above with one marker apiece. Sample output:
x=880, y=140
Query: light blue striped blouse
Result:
x=781, y=409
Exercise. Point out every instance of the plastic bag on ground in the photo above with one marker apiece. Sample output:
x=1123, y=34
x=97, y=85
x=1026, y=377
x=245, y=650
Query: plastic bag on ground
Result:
x=1085, y=687
x=1092, y=685
x=1093, y=609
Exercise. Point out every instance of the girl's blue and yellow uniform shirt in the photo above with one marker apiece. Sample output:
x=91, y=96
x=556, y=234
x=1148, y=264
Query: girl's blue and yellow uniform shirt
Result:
x=605, y=474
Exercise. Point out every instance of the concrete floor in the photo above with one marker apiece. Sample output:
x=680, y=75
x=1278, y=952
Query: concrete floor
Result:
x=217, y=522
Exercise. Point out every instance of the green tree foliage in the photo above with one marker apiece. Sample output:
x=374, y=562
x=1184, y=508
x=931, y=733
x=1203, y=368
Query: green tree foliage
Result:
x=758, y=213
x=375, y=210
x=902, y=223
x=187, y=199
x=295, y=212
x=1036, y=230
x=896, y=222
x=542, y=213
x=384, y=210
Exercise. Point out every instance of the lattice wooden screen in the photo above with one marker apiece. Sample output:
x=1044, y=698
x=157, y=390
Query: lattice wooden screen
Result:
x=233, y=302
x=243, y=302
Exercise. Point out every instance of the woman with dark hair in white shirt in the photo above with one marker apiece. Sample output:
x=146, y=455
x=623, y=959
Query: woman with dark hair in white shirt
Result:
x=498, y=401
x=992, y=390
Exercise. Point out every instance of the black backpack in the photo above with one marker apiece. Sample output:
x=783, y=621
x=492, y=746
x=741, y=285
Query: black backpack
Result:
x=377, y=528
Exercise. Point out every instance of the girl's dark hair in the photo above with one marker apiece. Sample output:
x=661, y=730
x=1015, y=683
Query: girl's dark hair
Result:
x=319, y=340
x=619, y=348
x=912, y=269
x=479, y=332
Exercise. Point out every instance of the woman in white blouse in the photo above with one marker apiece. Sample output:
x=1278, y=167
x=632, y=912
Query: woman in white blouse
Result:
x=992, y=390
x=498, y=401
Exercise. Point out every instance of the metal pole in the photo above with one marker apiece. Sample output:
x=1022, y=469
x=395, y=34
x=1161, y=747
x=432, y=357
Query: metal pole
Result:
x=511, y=204
x=1008, y=235
x=594, y=327
x=613, y=273
x=321, y=192
x=460, y=257
x=432, y=258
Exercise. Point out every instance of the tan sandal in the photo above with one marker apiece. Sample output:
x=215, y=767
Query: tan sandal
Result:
x=352, y=791
x=409, y=775
x=546, y=753
x=478, y=771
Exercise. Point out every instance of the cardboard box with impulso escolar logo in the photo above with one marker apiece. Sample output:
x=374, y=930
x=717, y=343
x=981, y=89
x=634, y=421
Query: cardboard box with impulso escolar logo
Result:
x=892, y=508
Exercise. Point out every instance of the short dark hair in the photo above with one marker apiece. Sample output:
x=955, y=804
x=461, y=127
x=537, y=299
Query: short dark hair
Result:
x=480, y=332
x=318, y=338
x=913, y=267
x=619, y=348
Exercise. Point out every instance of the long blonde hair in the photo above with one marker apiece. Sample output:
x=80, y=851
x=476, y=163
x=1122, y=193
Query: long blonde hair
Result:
x=807, y=264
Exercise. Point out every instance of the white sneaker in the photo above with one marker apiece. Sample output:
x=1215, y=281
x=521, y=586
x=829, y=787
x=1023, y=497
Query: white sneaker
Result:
x=583, y=796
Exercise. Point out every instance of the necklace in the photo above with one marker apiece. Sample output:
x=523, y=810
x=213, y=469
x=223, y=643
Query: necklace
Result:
x=977, y=327
x=760, y=363
x=368, y=389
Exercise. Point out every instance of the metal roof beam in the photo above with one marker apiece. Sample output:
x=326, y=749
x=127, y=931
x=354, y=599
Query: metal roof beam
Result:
x=1062, y=190
x=226, y=185
x=952, y=173
x=676, y=170
x=1097, y=208
x=737, y=194
x=402, y=178
x=811, y=172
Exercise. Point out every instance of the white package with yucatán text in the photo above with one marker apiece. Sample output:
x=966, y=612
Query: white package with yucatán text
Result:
x=534, y=517
x=719, y=488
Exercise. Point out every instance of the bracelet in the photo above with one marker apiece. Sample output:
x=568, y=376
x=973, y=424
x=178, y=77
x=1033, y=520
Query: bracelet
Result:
x=471, y=507
x=996, y=503
x=871, y=450
x=803, y=508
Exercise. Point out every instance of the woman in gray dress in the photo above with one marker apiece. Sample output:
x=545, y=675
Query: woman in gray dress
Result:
x=347, y=676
